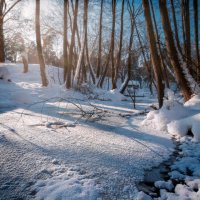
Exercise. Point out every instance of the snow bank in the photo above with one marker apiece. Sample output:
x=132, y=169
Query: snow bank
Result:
x=4, y=73
x=182, y=126
x=193, y=103
x=176, y=118
x=171, y=110
x=185, y=174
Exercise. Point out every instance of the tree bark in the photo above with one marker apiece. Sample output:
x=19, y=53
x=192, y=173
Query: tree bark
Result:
x=2, y=54
x=176, y=27
x=39, y=45
x=113, y=43
x=68, y=82
x=81, y=55
x=100, y=38
x=181, y=79
x=65, y=55
x=120, y=45
x=196, y=34
x=187, y=41
x=154, y=54
x=129, y=61
x=164, y=71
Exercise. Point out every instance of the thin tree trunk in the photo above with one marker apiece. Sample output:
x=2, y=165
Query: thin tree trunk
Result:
x=187, y=42
x=181, y=79
x=89, y=63
x=154, y=54
x=76, y=27
x=81, y=55
x=196, y=34
x=100, y=38
x=101, y=80
x=120, y=45
x=113, y=43
x=86, y=47
x=2, y=54
x=39, y=46
x=129, y=62
x=176, y=27
x=25, y=63
x=66, y=4
x=165, y=76
x=72, y=45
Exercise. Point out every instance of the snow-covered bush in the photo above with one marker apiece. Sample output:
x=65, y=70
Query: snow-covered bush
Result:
x=176, y=118
x=171, y=110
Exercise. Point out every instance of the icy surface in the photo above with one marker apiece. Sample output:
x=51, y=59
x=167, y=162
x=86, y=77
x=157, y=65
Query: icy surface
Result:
x=53, y=140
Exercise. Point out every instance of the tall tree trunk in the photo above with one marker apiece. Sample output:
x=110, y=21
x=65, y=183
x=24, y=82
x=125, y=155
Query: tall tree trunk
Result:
x=187, y=41
x=113, y=44
x=100, y=38
x=176, y=27
x=164, y=70
x=101, y=80
x=86, y=45
x=120, y=45
x=72, y=46
x=2, y=54
x=66, y=4
x=181, y=79
x=39, y=46
x=81, y=55
x=110, y=55
x=196, y=34
x=129, y=61
x=154, y=54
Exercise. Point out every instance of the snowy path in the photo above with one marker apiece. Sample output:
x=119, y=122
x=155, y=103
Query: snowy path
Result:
x=93, y=159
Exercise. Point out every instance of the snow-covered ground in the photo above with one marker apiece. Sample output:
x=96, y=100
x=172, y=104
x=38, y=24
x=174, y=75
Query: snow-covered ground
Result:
x=61, y=144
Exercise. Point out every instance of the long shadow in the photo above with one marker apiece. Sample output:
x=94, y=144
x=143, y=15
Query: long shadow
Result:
x=52, y=111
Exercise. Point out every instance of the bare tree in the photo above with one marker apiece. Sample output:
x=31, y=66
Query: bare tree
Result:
x=154, y=53
x=196, y=34
x=72, y=45
x=4, y=10
x=100, y=39
x=186, y=29
x=180, y=77
x=120, y=45
x=83, y=45
x=65, y=42
x=39, y=45
x=113, y=43
x=129, y=62
x=164, y=70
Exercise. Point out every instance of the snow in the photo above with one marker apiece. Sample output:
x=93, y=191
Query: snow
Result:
x=4, y=73
x=193, y=103
x=182, y=126
x=176, y=118
x=164, y=185
x=181, y=120
x=142, y=196
x=69, y=185
x=57, y=143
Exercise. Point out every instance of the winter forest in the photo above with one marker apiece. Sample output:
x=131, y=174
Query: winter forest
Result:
x=100, y=99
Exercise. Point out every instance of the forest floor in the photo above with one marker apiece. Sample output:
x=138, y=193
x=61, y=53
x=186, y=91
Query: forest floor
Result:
x=61, y=144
